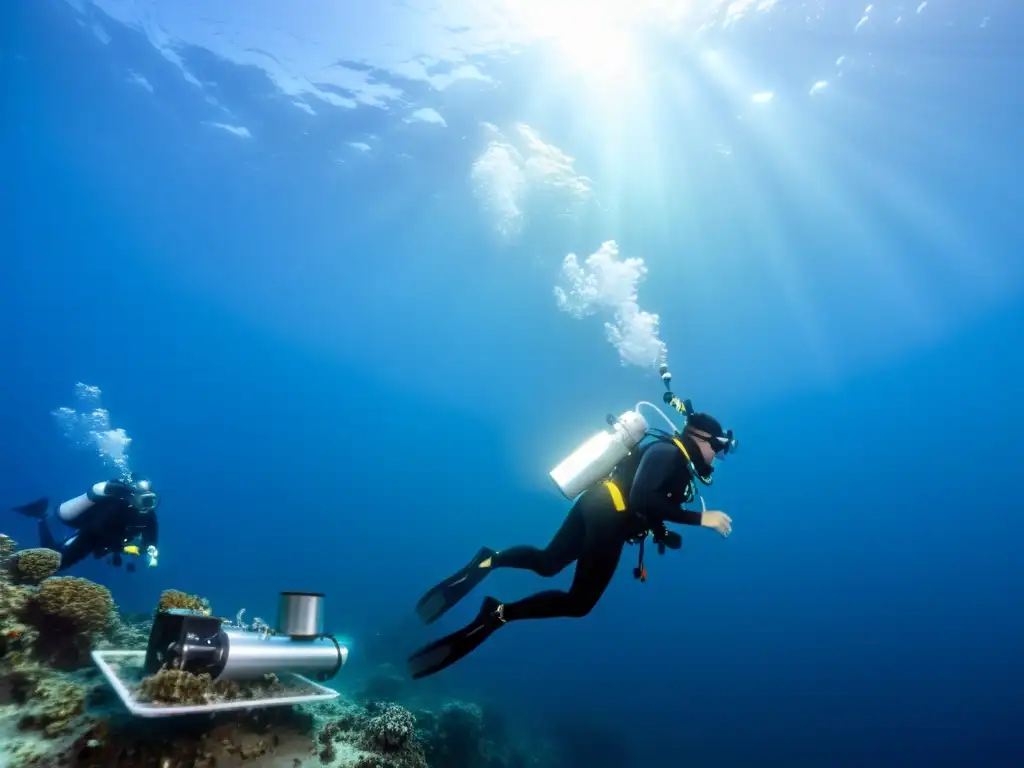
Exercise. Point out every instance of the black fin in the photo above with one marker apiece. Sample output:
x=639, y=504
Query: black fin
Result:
x=440, y=599
x=36, y=509
x=443, y=653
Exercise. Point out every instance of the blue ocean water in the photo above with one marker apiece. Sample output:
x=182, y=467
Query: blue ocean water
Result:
x=310, y=259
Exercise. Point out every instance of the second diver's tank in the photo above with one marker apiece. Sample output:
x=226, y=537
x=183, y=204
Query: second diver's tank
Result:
x=597, y=457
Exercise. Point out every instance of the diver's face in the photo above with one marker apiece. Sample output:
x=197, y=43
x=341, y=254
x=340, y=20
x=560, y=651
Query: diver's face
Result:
x=145, y=498
x=146, y=501
x=703, y=441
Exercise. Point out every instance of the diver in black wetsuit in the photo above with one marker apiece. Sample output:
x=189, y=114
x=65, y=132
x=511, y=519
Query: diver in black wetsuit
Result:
x=598, y=526
x=114, y=517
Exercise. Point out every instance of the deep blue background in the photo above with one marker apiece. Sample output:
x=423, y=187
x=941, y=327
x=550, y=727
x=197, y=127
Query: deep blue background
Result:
x=330, y=401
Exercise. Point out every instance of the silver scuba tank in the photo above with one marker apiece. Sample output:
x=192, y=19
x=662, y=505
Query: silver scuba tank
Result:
x=597, y=457
x=72, y=509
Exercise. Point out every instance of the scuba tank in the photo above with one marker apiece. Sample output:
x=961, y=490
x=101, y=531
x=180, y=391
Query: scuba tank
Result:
x=72, y=509
x=597, y=458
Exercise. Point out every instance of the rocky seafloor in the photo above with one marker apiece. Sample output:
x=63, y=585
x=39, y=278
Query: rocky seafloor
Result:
x=56, y=708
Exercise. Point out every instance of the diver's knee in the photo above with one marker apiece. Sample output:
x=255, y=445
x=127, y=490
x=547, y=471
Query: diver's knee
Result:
x=548, y=567
x=580, y=608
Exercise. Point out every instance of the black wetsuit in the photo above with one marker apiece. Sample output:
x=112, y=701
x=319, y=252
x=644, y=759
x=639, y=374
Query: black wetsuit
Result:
x=105, y=528
x=594, y=534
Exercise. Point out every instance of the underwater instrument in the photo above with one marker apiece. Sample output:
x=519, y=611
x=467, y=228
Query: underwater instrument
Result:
x=201, y=644
x=194, y=642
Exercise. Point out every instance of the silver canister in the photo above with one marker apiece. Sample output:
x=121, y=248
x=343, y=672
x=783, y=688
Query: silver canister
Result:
x=300, y=614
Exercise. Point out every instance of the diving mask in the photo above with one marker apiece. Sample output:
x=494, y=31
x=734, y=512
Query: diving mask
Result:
x=725, y=445
x=144, y=498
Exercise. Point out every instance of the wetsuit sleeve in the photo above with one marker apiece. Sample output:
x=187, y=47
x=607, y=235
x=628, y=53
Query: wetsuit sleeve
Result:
x=662, y=472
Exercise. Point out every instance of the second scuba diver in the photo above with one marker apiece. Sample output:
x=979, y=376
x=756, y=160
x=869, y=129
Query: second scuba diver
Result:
x=113, y=517
x=637, y=500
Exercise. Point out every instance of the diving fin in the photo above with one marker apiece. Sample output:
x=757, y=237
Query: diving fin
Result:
x=439, y=600
x=36, y=509
x=443, y=653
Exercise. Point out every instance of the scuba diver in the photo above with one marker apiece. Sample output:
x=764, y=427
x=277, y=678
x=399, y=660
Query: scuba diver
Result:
x=113, y=517
x=626, y=496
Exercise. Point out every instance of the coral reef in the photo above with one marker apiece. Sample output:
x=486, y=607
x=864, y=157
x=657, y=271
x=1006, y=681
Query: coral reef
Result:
x=31, y=566
x=68, y=614
x=172, y=599
x=57, y=710
x=378, y=736
x=81, y=605
x=126, y=633
x=56, y=704
x=45, y=630
x=175, y=686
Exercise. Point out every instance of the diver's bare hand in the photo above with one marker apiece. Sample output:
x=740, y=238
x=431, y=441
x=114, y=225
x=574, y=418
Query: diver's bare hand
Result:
x=718, y=521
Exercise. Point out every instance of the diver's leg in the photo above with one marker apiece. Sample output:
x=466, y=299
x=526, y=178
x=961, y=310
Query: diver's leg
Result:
x=46, y=540
x=602, y=549
x=563, y=549
x=75, y=549
x=565, y=546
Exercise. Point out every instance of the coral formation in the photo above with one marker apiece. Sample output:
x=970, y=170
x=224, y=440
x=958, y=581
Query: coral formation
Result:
x=175, y=686
x=41, y=628
x=68, y=614
x=126, y=633
x=56, y=704
x=56, y=710
x=31, y=566
x=377, y=736
x=81, y=605
x=390, y=727
x=172, y=599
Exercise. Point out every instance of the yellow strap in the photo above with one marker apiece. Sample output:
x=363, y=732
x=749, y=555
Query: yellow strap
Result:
x=616, y=494
x=682, y=448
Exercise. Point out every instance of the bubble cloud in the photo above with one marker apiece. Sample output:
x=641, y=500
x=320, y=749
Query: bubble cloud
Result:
x=512, y=171
x=88, y=426
x=606, y=285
